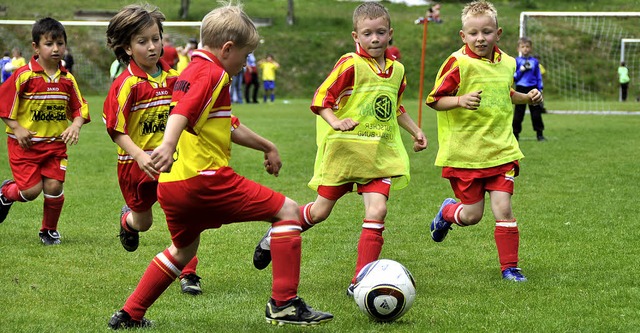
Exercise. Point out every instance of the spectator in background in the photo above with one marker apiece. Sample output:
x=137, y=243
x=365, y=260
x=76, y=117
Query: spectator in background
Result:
x=393, y=50
x=67, y=60
x=623, y=78
x=184, y=54
x=268, y=67
x=527, y=78
x=251, y=80
x=236, y=87
x=116, y=69
x=6, y=60
x=434, y=13
x=170, y=55
x=18, y=60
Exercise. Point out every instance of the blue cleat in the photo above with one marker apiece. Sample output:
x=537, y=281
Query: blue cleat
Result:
x=440, y=227
x=513, y=274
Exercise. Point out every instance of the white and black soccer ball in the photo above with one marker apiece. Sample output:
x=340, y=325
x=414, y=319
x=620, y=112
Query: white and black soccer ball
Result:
x=384, y=290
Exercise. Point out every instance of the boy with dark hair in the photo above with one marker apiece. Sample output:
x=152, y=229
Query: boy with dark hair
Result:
x=38, y=102
x=528, y=77
x=135, y=113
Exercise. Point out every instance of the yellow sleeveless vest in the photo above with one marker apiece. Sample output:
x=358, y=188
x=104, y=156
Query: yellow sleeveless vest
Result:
x=482, y=138
x=374, y=149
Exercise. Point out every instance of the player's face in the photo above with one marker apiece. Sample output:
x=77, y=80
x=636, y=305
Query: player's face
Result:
x=481, y=34
x=525, y=49
x=145, y=48
x=373, y=35
x=49, y=50
x=235, y=58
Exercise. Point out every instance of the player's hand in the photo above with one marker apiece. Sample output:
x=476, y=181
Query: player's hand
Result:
x=272, y=162
x=146, y=164
x=536, y=96
x=344, y=125
x=420, y=142
x=162, y=158
x=71, y=135
x=470, y=101
x=24, y=137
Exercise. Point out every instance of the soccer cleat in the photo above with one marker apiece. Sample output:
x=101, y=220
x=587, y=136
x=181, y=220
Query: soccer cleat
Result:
x=5, y=204
x=262, y=254
x=513, y=274
x=440, y=227
x=190, y=284
x=541, y=138
x=129, y=240
x=296, y=312
x=351, y=289
x=122, y=320
x=49, y=237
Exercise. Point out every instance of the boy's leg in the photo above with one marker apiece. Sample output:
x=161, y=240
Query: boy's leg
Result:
x=518, y=117
x=536, y=121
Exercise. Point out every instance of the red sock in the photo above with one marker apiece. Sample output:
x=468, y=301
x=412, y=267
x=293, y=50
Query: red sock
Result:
x=369, y=245
x=507, y=241
x=12, y=192
x=51, y=211
x=125, y=225
x=190, y=268
x=160, y=273
x=305, y=217
x=451, y=213
x=286, y=249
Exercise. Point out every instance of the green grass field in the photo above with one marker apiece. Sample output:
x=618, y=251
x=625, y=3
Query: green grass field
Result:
x=575, y=203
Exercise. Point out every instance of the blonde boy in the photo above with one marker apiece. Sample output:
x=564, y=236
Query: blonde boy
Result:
x=477, y=151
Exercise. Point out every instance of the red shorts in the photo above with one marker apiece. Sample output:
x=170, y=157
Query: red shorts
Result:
x=205, y=202
x=139, y=191
x=43, y=159
x=379, y=185
x=470, y=185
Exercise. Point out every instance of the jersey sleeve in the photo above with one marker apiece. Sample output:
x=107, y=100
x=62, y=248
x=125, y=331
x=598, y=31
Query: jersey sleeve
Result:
x=117, y=105
x=337, y=85
x=447, y=81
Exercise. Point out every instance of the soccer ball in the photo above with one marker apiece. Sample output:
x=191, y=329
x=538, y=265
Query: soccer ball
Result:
x=384, y=290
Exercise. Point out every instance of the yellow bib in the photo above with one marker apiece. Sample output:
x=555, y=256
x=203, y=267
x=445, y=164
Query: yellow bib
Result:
x=374, y=149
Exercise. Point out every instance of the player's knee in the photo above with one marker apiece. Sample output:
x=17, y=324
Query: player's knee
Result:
x=289, y=211
x=377, y=212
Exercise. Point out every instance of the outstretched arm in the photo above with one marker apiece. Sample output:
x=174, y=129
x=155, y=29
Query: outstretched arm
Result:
x=244, y=136
x=344, y=125
x=162, y=156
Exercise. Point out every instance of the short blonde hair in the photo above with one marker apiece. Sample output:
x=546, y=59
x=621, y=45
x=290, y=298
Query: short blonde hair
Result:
x=370, y=10
x=228, y=23
x=479, y=8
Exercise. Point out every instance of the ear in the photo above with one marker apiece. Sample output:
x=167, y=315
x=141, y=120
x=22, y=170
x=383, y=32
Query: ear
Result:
x=354, y=35
x=128, y=50
x=498, y=33
x=462, y=36
x=226, y=49
x=35, y=47
x=390, y=33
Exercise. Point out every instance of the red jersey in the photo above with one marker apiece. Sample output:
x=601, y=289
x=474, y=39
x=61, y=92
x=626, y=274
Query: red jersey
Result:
x=41, y=103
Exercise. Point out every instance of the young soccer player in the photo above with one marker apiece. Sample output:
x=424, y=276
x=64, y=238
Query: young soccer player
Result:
x=38, y=101
x=359, y=145
x=269, y=66
x=135, y=113
x=528, y=77
x=199, y=190
x=477, y=151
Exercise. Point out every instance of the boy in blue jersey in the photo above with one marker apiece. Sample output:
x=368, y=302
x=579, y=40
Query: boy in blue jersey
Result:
x=527, y=78
x=477, y=150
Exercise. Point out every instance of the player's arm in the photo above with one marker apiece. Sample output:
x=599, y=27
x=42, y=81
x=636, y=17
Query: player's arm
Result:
x=72, y=133
x=420, y=141
x=22, y=134
x=534, y=96
x=244, y=136
x=344, y=125
x=139, y=155
x=162, y=156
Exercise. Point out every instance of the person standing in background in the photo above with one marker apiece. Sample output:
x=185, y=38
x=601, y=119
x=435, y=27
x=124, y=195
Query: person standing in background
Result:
x=251, y=80
x=527, y=77
x=170, y=55
x=623, y=78
x=269, y=67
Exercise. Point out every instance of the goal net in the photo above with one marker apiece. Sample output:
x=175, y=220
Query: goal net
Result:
x=88, y=46
x=581, y=52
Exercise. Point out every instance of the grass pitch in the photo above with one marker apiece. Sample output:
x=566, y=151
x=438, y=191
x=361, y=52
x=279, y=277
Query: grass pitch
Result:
x=576, y=204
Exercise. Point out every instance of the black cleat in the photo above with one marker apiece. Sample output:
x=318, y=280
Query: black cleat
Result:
x=190, y=284
x=5, y=204
x=296, y=312
x=129, y=240
x=262, y=254
x=122, y=320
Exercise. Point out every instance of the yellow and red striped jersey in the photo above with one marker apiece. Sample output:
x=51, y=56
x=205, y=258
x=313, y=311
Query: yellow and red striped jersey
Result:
x=138, y=105
x=336, y=89
x=201, y=94
x=41, y=103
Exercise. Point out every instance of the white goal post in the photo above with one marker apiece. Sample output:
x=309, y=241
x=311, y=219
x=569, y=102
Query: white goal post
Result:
x=580, y=52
